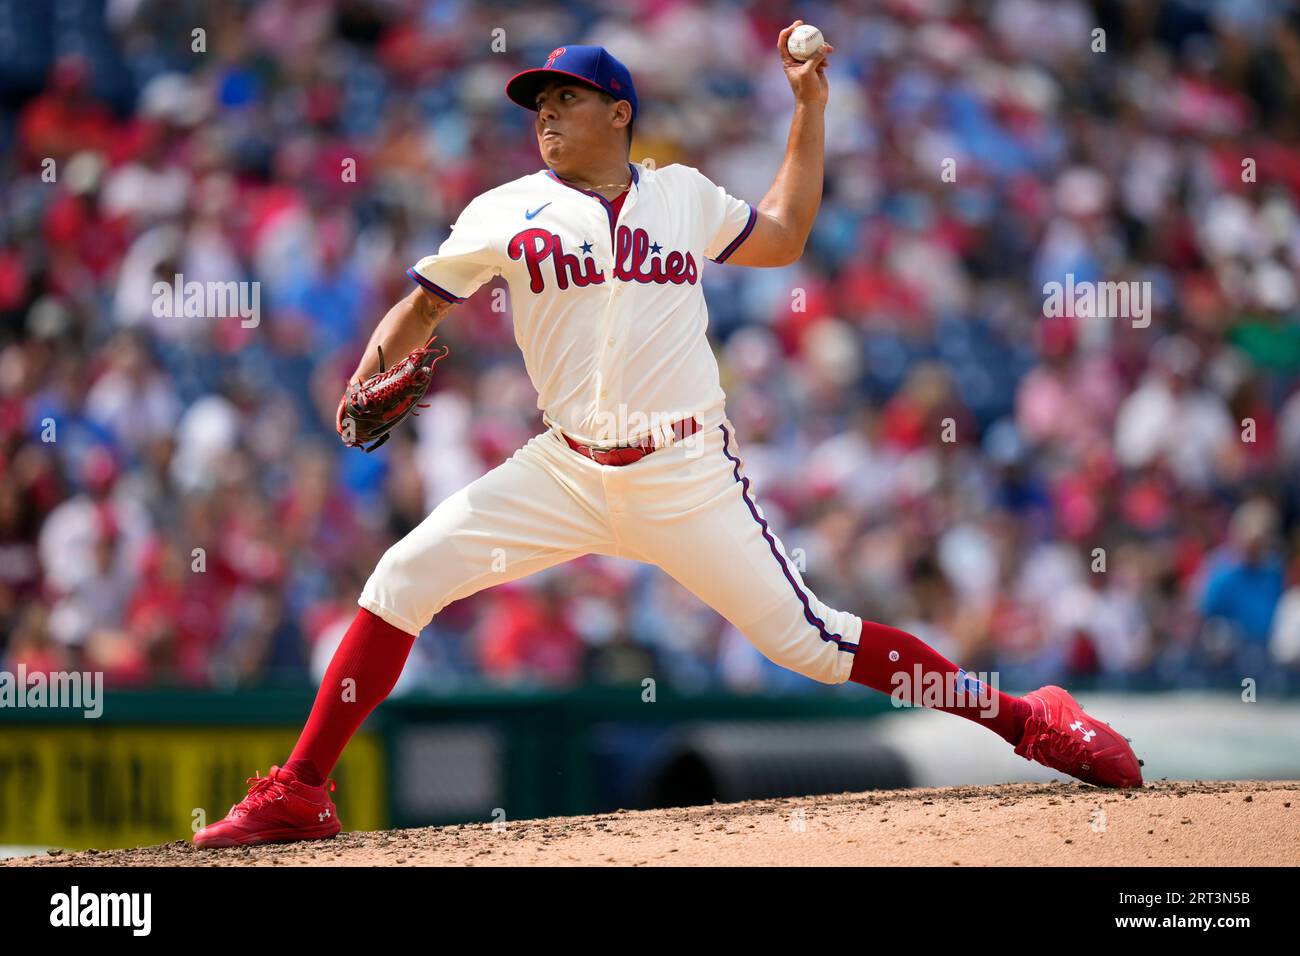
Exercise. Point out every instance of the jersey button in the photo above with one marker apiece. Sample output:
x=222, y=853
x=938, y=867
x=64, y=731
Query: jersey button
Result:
x=609, y=342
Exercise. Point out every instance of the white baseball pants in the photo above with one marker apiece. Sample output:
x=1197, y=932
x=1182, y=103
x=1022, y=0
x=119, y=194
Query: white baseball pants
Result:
x=687, y=508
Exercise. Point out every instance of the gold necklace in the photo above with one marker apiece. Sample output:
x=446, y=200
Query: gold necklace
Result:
x=592, y=189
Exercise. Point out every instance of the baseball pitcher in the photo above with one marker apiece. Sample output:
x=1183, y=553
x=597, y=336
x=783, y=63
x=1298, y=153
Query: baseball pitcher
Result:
x=638, y=459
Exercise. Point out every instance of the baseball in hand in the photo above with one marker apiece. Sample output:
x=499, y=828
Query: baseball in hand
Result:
x=804, y=41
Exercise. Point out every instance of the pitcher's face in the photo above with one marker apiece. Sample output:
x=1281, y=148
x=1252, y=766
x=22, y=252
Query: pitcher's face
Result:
x=575, y=122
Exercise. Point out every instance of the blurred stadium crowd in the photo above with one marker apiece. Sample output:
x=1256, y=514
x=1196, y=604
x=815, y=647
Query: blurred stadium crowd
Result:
x=195, y=521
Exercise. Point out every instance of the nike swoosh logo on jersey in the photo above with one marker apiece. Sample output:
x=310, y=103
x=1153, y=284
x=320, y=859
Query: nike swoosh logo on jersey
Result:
x=530, y=215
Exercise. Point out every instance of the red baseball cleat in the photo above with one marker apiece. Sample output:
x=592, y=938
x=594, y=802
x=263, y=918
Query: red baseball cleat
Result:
x=279, y=808
x=1058, y=734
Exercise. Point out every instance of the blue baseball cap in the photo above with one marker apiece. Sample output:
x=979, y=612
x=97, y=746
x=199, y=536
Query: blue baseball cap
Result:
x=592, y=65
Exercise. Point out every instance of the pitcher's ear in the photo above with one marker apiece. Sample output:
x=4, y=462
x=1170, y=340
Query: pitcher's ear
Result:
x=624, y=109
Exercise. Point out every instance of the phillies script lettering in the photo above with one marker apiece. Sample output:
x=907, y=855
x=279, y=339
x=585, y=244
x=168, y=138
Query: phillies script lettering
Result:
x=632, y=261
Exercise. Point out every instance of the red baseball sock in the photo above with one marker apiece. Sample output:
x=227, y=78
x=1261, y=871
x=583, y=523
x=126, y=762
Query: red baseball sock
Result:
x=896, y=663
x=360, y=675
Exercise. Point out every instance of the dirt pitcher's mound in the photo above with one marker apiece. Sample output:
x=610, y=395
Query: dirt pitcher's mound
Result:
x=1169, y=824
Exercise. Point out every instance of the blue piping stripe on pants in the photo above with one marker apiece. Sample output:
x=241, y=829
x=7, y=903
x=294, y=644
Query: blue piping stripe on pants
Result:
x=812, y=618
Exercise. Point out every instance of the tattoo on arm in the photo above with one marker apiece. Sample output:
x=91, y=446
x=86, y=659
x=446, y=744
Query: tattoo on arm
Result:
x=407, y=325
x=428, y=308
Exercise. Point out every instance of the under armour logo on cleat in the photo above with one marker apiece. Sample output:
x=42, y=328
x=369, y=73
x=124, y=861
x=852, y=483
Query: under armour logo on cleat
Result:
x=530, y=215
x=322, y=816
x=1087, y=734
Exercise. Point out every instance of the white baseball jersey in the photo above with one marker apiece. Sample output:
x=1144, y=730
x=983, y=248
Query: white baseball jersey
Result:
x=611, y=319
x=610, y=316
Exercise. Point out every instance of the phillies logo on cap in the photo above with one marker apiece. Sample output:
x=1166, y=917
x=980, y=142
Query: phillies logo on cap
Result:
x=555, y=54
x=614, y=83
